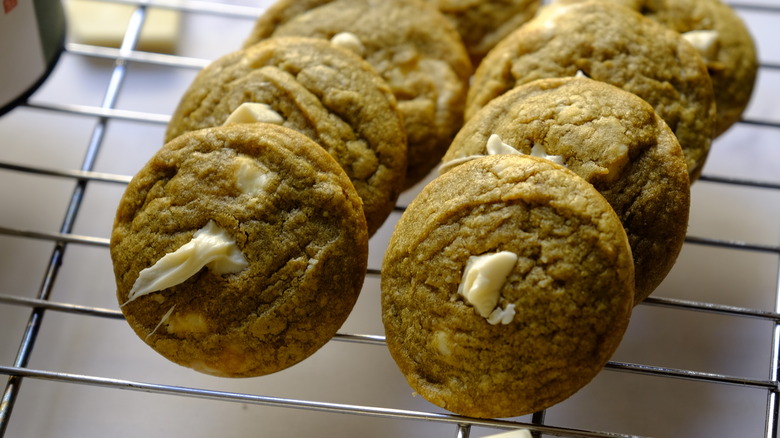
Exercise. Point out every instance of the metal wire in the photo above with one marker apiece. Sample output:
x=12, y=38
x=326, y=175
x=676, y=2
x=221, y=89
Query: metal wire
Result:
x=106, y=112
x=33, y=326
x=463, y=423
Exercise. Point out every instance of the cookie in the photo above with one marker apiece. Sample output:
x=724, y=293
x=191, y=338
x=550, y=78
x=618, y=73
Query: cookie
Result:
x=239, y=251
x=612, y=44
x=724, y=42
x=483, y=24
x=612, y=139
x=506, y=286
x=412, y=46
x=310, y=85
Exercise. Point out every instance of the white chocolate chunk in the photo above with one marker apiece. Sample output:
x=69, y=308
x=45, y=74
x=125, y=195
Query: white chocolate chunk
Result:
x=547, y=17
x=705, y=41
x=503, y=316
x=211, y=246
x=349, y=41
x=254, y=112
x=440, y=73
x=496, y=146
x=483, y=278
x=581, y=74
x=538, y=150
x=251, y=178
x=441, y=340
x=187, y=323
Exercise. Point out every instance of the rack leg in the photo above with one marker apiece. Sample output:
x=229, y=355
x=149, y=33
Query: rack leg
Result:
x=464, y=430
x=538, y=418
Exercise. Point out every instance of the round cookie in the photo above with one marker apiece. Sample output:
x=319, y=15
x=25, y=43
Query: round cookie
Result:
x=612, y=44
x=612, y=139
x=482, y=24
x=239, y=251
x=412, y=46
x=502, y=293
x=328, y=93
x=724, y=42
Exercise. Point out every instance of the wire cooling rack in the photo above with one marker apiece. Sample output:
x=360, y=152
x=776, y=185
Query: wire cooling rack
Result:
x=700, y=358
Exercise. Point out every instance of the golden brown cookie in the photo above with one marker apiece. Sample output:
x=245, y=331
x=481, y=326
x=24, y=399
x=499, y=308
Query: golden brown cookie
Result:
x=239, y=251
x=506, y=286
x=612, y=139
x=310, y=85
x=616, y=45
x=482, y=24
x=413, y=47
x=724, y=42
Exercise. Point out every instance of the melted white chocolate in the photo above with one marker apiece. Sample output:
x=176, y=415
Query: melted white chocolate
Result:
x=163, y=320
x=455, y=162
x=538, y=150
x=496, y=146
x=211, y=246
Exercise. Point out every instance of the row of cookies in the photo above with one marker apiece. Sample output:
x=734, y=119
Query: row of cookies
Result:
x=584, y=190
x=496, y=300
x=386, y=119
x=228, y=258
x=241, y=246
x=419, y=56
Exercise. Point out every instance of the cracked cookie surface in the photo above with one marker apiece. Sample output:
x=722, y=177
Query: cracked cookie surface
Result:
x=616, y=45
x=331, y=95
x=728, y=50
x=612, y=139
x=289, y=209
x=571, y=287
x=410, y=44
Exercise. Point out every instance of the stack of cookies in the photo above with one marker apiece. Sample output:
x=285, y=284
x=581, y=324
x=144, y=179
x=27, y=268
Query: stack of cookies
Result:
x=564, y=165
x=241, y=247
x=494, y=304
